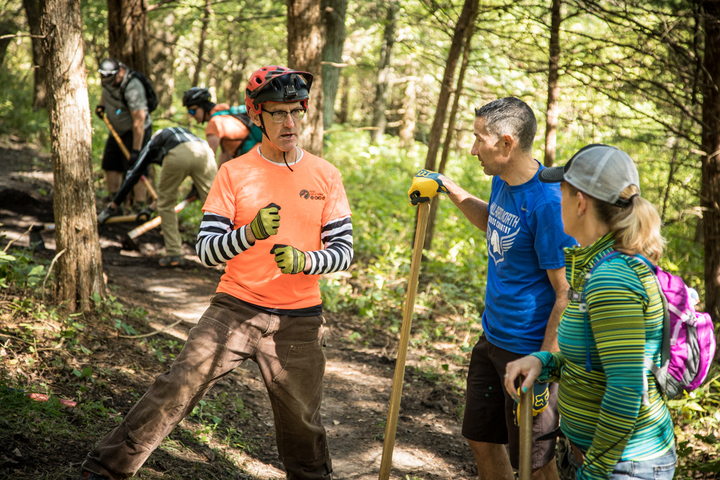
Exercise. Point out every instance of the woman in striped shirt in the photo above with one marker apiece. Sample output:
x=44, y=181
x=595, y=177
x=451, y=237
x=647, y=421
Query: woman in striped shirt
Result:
x=610, y=407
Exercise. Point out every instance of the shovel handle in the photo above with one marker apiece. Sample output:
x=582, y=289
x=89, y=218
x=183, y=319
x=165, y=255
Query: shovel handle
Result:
x=396, y=393
x=118, y=140
x=126, y=152
x=526, y=424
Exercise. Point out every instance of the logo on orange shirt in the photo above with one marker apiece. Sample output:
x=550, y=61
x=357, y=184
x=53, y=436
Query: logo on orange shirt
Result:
x=311, y=195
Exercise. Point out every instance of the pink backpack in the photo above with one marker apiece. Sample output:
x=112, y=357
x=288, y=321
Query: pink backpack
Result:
x=688, y=345
x=688, y=338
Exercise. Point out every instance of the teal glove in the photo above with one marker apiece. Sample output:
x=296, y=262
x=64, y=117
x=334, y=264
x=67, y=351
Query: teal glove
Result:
x=288, y=258
x=425, y=185
x=541, y=397
x=266, y=222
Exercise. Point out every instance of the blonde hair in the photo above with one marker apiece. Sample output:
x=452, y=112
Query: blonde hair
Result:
x=636, y=228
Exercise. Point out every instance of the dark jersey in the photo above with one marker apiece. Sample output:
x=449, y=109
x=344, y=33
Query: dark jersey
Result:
x=154, y=152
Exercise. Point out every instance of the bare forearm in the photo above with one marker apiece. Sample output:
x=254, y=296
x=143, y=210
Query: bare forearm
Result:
x=473, y=208
x=138, y=128
x=550, y=343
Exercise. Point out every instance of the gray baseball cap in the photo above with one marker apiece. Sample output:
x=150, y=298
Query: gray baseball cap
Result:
x=601, y=171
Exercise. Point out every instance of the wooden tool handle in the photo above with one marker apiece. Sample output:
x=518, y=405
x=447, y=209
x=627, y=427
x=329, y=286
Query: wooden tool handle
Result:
x=396, y=394
x=526, y=424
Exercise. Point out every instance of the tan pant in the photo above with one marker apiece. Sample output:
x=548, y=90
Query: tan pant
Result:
x=193, y=159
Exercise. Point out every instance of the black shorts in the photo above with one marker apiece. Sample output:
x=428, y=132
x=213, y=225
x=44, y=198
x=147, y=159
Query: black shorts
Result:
x=113, y=158
x=489, y=409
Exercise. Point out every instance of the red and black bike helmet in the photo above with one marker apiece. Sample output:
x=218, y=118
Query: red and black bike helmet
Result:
x=277, y=84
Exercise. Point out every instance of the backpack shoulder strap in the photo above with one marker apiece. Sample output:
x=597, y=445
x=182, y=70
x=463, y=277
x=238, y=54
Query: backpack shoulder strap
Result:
x=123, y=85
x=584, y=308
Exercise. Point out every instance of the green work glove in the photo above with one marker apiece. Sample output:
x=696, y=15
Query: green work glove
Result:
x=541, y=397
x=425, y=185
x=288, y=258
x=266, y=222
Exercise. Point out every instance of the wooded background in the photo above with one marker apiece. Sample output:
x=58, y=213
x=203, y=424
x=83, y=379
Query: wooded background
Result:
x=396, y=84
x=641, y=75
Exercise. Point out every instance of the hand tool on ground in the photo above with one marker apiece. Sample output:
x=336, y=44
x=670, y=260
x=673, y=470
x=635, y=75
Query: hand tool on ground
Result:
x=37, y=240
x=147, y=226
x=526, y=424
x=125, y=151
x=396, y=393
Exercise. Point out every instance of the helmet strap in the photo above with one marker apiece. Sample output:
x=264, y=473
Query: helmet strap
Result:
x=286, y=163
x=262, y=124
x=207, y=108
x=262, y=127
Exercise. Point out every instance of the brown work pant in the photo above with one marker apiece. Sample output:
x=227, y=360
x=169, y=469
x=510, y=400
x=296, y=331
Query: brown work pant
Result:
x=289, y=353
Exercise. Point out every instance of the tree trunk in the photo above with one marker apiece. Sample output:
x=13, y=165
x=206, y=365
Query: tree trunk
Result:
x=551, y=117
x=384, y=69
x=162, y=56
x=32, y=11
x=127, y=33
x=710, y=190
x=334, y=16
x=7, y=27
x=78, y=274
x=305, y=45
x=430, y=231
x=344, y=100
x=201, y=45
x=447, y=82
x=409, y=107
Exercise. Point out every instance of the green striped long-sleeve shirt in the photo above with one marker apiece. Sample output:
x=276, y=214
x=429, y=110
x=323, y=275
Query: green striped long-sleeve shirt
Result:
x=602, y=411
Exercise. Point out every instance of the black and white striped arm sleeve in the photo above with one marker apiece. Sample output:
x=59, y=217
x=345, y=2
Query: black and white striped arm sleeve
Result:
x=337, y=237
x=217, y=242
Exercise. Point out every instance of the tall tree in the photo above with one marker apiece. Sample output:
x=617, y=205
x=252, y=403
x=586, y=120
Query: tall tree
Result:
x=79, y=268
x=447, y=82
x=710, y=189
x=334, y=12
x=551, y=117
x=127, y=33
x=201, y=44
x=407, y=131
x=8, y=30
x=32, y=12
x=305, y=44
x=671, y=60
x=384, y=70
x=467, y=47
x=161, y=57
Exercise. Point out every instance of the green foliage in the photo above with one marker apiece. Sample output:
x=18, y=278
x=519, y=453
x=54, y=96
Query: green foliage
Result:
x=449, y=299
x=21, y=269
x=697, y=419
x=209, y=414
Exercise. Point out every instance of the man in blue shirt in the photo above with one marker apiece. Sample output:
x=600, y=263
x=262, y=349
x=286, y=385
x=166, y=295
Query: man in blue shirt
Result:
x=526, y=289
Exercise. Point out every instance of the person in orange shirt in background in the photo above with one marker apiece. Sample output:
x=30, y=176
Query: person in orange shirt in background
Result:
x=223, y=130
x=278, y=217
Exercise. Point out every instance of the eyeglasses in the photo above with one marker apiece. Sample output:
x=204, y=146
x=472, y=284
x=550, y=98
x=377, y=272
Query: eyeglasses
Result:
x=279, y=116
x=191, y=111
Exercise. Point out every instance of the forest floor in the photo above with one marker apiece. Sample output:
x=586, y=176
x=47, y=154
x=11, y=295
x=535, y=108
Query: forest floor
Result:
x=358, y=376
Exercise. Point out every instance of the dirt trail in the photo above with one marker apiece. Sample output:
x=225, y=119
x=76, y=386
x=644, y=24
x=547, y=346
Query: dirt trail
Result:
x=357, y=381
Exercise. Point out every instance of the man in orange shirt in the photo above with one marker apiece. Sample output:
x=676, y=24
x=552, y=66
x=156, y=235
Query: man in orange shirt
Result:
x=267, y=307
x=223, y=129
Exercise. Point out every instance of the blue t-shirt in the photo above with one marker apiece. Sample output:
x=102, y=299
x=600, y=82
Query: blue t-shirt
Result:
x=525, y=238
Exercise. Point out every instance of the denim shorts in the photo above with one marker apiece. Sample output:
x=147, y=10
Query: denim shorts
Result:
x=660, y=468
